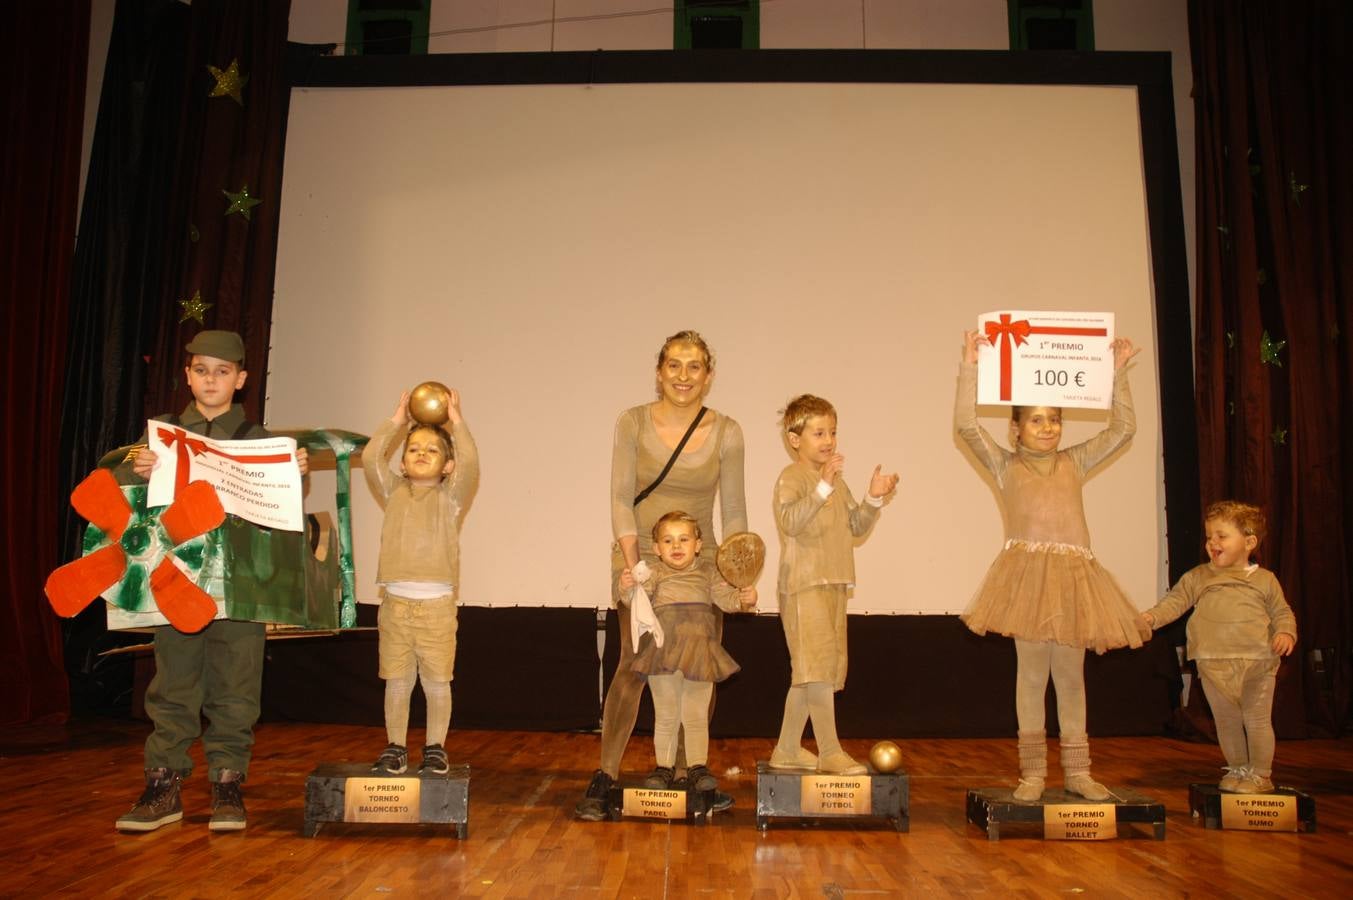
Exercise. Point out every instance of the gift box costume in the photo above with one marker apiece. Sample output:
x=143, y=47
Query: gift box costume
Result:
x=216, y=672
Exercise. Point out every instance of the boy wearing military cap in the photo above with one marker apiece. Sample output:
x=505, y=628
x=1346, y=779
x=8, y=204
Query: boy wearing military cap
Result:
x=217, y=671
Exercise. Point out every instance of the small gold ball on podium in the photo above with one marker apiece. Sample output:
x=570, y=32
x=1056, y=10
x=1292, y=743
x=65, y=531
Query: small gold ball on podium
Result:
x=885, y=756
x=428, y=402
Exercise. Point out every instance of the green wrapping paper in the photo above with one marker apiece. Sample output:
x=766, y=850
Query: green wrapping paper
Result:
x=300, y=579
x=254, y=574
x=319, y=443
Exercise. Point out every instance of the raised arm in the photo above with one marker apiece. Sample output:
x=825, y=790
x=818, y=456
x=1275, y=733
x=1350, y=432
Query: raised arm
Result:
x=984, y=447
x=464, y=480
x=862, y=515
x=1122, y=420
x=376, y=454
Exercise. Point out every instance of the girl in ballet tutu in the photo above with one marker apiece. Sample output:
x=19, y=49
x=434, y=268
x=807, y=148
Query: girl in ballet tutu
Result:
x=1046, y=589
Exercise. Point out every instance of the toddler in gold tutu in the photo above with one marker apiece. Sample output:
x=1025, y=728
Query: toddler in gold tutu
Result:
x=680, y=651
x=1046, y=589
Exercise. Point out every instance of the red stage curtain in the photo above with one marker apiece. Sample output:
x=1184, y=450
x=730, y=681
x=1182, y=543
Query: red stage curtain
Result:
x=43, y=54
x=1275, y=264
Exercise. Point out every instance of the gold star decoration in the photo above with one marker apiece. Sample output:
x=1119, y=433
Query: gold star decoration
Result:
x=228, y=83
x=193, y=308
x=241, y=202
x=1269, y=350
x=1296, y=187
x=1279, y=436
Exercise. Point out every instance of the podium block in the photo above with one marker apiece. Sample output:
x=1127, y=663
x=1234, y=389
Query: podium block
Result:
x=1064, y=816
x=1283, y=809
x=634, y=801
x=804, y=795
x=351, y=792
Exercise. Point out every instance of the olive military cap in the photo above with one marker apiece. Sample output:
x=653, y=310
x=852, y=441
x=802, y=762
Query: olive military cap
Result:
x=225, y=345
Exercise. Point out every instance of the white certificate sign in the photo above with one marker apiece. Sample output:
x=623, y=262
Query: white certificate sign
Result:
x=1045, y=359
x=256, y=480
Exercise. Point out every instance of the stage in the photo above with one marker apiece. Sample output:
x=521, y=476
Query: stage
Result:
x=63, y=786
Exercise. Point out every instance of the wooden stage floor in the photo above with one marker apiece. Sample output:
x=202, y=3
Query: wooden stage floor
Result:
x=62, y=787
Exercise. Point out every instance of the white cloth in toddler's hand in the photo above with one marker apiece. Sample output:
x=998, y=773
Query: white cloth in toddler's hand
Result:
x=642, y=617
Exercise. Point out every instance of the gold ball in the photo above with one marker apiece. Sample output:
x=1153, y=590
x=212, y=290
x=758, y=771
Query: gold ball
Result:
x=885, y=756
x=428, y=403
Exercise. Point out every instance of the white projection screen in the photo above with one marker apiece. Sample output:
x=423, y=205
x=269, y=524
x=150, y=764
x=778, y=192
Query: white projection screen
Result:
x=531, y=245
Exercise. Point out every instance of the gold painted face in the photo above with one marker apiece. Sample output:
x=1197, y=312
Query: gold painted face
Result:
x=424, y=461
x=684, y=377
x=1040, y=428
x=817, y=442
x=677, y=544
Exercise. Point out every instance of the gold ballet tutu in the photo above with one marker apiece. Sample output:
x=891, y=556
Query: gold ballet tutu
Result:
x=690, y=645
x=1053, y=592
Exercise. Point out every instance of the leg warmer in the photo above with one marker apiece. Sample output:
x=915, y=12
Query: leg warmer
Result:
x=1033, y=754
x=1075, y=751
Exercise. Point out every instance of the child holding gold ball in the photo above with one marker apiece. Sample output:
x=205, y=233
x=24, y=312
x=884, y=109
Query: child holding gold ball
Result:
x=419, y=570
